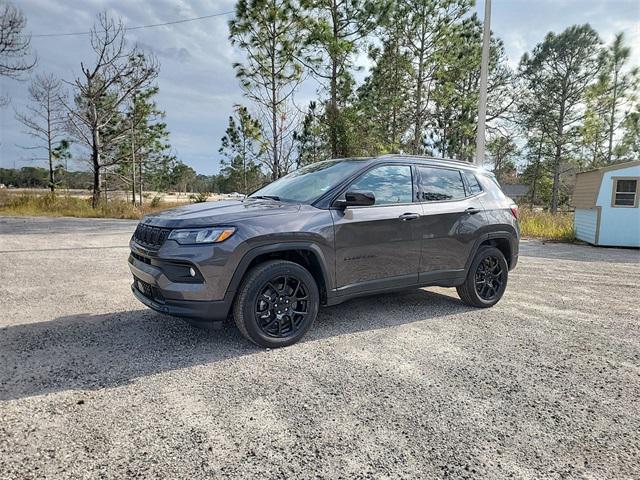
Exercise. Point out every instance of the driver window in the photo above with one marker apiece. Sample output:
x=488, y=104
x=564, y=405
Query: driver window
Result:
x=389, y=183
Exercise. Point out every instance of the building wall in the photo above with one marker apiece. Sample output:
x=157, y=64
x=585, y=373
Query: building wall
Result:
x=586, y=189
x=618, y=226
x=586, y=223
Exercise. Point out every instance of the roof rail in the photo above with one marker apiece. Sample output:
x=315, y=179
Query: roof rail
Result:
x=423, y=157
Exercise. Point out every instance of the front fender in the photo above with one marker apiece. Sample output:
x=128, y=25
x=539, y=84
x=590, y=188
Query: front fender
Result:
x=255, y=252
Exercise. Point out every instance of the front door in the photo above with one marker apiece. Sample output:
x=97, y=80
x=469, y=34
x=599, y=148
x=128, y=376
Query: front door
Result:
x=378, y=246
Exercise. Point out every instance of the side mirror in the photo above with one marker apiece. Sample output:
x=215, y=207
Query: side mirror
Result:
x=357, y=199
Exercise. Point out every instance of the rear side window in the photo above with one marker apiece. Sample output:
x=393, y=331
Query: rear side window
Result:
x=389, y=183
x=472, y=183
x=439, y=184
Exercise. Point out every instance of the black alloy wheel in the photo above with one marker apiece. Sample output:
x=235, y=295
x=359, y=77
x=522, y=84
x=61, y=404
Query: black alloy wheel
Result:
x=276, y=304
x=282, y=306
x=489, y=278
x=486, y=279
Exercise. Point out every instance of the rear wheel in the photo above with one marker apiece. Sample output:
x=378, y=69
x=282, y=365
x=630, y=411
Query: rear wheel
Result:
x=277, y=303
x=487, y=279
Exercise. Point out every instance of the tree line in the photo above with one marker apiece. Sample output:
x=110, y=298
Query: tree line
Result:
x=181, y=179
x=570, y=104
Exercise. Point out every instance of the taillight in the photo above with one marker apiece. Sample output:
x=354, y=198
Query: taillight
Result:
x=514, y=211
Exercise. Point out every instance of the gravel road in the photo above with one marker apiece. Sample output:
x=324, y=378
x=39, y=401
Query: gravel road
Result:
x=407, y=385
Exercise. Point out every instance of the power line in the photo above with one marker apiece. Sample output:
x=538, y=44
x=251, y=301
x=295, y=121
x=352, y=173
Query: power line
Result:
x=139, y=27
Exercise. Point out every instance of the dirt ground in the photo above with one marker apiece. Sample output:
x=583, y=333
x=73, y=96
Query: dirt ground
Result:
x=408, y=385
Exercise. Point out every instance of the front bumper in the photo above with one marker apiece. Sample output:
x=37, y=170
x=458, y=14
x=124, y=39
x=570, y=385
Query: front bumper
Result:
x=156, y=290
x=208, y=311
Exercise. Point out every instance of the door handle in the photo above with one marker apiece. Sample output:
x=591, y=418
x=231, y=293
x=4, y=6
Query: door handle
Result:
x=472, y=210
x=408, y=216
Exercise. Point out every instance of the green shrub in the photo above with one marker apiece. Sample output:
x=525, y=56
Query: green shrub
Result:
x=155, y=202
x=199, y=197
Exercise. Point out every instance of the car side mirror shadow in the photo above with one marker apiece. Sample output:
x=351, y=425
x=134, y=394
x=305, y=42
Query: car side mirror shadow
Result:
x=356, y=199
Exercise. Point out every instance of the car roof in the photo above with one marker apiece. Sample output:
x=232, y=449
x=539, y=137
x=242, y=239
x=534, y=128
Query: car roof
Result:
x=424, y=159
x=428, y=160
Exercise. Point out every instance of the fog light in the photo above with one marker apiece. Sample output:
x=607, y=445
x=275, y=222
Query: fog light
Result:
x=192, y=272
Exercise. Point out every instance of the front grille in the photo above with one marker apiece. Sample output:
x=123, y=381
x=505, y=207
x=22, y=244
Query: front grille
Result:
x=150, y=236
x=147, y=290
x=141, y=258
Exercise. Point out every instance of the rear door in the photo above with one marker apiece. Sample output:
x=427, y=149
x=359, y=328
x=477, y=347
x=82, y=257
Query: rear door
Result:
x=378, y=246
x=452, y=218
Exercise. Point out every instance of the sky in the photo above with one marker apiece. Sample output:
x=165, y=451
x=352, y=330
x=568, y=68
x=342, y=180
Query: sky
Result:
x=197, y=83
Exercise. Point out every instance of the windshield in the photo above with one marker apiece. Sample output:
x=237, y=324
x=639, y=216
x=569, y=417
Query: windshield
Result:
x=308, y=183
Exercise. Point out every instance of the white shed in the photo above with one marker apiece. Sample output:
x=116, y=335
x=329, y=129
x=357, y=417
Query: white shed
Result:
x=606, y=205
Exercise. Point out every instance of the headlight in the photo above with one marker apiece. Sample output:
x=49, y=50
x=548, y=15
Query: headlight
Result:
x=201, y=235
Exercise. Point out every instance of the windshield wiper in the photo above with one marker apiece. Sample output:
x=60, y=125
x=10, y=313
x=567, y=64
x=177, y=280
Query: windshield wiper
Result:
x=268, y=197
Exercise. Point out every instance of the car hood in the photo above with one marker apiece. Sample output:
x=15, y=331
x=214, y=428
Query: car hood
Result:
x=218, y=213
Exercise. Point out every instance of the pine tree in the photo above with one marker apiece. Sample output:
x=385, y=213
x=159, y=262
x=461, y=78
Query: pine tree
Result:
x=337, y=30
x=310, y=139
x=593, y=131
x=455, y=96
x=558, y=73
x=144, y=156
x=269, y=32
x=242, y=146
x=427, y=23
x=621, y=85
x=383, y=99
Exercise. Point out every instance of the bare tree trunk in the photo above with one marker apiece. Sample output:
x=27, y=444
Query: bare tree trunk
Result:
x=555, y=189
x=333, y=102
x=95, y=199
x=612, y=117
x=556, y=178
x=534, y=187
x=105, y=185
x=275, y=168
x=141, y=189
x=52, y=184
x=95, y=159
x=332, y=112
x=133, y=166
x=275, y=173
x=244, y=163
x=417, y=128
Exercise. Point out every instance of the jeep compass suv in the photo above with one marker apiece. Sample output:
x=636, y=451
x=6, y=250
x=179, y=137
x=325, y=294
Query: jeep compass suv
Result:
x=323, y=234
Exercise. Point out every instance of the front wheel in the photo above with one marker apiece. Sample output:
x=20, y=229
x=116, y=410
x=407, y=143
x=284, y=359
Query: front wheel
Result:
x=277, y=303
x=487, y=279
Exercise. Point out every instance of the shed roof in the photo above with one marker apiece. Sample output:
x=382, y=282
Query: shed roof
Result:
x=585, y=193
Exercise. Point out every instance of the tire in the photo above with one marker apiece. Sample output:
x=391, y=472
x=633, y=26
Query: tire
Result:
x=486, y=280
x=259, y=316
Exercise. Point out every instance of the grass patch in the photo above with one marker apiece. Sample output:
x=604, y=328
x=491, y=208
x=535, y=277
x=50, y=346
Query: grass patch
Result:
x=546, y=226
x=57, y=205
x=533, y=223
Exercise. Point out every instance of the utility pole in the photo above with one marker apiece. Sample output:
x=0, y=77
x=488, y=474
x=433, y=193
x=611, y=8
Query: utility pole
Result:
x=133, y=160
x=484, y=72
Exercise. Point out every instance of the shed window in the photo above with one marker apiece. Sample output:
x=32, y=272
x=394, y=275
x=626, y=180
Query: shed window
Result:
x=625, y=192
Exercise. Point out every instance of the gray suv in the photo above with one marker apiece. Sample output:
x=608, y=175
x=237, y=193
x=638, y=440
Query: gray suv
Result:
x=323, y=234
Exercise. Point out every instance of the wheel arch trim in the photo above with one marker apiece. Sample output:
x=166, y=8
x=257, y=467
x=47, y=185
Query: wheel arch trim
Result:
x=510, y=236
x=251, y=255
